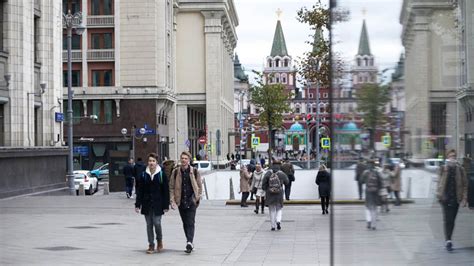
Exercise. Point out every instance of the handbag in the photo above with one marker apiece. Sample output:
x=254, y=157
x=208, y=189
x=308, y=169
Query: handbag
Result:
x=254, y=190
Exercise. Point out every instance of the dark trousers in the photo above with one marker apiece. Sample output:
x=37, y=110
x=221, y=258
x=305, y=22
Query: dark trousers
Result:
x=188, y=216
x=398, y=202
x=360, y=187
x=288, y=191
x=449, y=214
x=129, y=185
x=324, y=203
x=245, y=196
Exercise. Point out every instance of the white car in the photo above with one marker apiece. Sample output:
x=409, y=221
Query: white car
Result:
x=91, y=184
x=244, y=163
x=433, y=164
x=203, y=166
x=398, y=161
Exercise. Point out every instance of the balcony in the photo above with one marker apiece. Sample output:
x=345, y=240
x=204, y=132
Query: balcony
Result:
x=100, y=21
x=101, y=55
x=76, y=55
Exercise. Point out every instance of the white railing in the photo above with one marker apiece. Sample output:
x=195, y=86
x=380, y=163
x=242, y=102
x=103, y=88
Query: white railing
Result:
x=101, y=55
x=76, y=55
x=100, y=21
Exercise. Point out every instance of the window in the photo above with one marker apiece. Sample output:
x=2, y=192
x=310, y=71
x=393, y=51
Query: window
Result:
x=269, y=63
x=283, y=80
x=286, y=63
x=103, y=111
x=101, y=41
x=104, y=7
x=76, y=78
x=297, y=109
x=36, y=39
x=75, y=42
x=311, y=95
x=73, y=5
x=76, y=111
x=2, y=125
x=102, y=78
x=325, y=95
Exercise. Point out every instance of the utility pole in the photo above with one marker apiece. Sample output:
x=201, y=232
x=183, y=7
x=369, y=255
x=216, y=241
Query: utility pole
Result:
x=317, y=124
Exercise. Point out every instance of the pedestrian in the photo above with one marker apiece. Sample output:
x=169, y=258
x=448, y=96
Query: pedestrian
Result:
x=262, y=162
x=244, y=186
x=323, y=180
x=257, y=180
x=185, y=194
x=360, y=168
x=138, y=169
x=386, y=176
x=452, y=192
x=251, y=169
x=272, y=184
x=288, y=169
x=373, y=183
x=396, y=183
x=153, y=201
x=129, y=180
x=232, y=156
x=228, y=157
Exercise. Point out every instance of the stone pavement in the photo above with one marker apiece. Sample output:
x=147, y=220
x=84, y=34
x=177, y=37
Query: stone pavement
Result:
x=59, y=230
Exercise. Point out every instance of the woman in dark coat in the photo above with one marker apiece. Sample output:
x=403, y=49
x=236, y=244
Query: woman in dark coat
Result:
x=323, y=180
x=153, y=200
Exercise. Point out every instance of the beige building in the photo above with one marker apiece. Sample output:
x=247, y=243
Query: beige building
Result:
x=431, y=76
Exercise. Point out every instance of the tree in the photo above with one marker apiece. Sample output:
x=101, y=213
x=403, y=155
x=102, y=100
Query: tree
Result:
x=371, y=102
x=272, y=99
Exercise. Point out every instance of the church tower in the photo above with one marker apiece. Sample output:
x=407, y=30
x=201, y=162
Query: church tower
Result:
x=364, y=69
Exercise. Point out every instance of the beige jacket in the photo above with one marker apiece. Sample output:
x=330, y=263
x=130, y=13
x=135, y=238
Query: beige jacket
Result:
x=461, y=183
x=176, y=182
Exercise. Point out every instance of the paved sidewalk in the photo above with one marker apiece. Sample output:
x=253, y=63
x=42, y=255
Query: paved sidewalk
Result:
x=58, y=230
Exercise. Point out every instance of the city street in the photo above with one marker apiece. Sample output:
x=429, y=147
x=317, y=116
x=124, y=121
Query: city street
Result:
x=53, y=230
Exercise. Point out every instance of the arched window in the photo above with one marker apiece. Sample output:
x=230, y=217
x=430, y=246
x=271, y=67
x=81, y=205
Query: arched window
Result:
x=358, y=62
x=277, y=63
x=286, y=63
x=297, y=109
x=269, y=63
x=277, y=78
x=283, y=78
x=366, y=61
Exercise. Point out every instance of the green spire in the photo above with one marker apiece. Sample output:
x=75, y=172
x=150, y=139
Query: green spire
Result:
x=318, y=37
x=279, y=45
x=364, y=48
x=238, y=71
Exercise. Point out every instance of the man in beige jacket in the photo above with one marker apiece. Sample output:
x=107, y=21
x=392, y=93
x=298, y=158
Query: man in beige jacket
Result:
x=185, y=194
x=452, y=192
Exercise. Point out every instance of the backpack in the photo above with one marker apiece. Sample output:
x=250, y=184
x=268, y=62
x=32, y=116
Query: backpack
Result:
x=274, y=184
x=372, y=181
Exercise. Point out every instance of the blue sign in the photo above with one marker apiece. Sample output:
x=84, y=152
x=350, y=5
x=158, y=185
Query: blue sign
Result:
x=241, y=125
x=187, y=143
x=59, y=117
x=81, y=150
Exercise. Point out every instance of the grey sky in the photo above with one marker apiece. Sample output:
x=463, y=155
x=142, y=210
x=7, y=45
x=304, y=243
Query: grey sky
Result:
x=257, y=20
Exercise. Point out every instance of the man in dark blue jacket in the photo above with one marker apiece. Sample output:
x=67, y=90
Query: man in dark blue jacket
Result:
x=153, y=200
x=128, y=173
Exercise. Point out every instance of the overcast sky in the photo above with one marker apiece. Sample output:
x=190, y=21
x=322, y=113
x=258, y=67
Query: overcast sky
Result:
x=257, y=21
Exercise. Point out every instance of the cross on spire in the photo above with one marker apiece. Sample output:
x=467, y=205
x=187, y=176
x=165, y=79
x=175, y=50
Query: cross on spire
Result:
x=278, y=12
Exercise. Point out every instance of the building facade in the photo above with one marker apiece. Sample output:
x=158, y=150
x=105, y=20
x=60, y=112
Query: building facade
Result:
x=31, y=156
x=431, y=44
x=162, y=66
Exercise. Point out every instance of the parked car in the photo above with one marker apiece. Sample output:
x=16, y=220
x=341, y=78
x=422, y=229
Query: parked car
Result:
x=84, y=177
x=101, y=172
x=397, y=161
x=244, y=163
x=433, y=164
x=203, y=166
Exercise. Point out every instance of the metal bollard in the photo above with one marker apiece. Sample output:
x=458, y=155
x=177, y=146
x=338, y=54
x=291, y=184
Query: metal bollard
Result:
x=409, y=188
x=82, y=192
x=231, y=192
x=205, y=188
x=106, y=188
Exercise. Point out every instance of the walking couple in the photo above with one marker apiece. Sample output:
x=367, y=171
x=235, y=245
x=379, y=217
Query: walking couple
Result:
x=155, y=195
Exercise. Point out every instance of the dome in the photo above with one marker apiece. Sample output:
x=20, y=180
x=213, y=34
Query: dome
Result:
x=296, y=127
x=351, y=126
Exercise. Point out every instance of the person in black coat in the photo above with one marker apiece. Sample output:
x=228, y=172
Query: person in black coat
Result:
x=128, y=173
x=153, y=200
x=323, y=180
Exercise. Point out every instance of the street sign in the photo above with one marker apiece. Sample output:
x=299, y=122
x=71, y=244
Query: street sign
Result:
x=202, y=140
x=387, y=140
x=187, y=143
x=59, y=117
x=255, y=142
x=81, y=150
x=325, y=143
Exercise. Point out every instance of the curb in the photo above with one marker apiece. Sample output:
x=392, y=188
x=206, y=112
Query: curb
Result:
x=314, y=202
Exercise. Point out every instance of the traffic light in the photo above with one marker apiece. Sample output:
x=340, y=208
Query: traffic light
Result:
x=309, y=118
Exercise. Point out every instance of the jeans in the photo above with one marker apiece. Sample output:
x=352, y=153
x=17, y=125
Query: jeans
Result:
x=397, y=196
x=243, y=201
x=129, y=185
x=153, y=220
x=449, y=214
x=361, y=189
x=288, y=191
x=275, y=214
x=324, y=203
x=188, y=216
x=371, y=215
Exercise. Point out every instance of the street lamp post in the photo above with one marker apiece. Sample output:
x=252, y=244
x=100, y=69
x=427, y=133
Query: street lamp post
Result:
x=308, y=124
x=133, y=136
x=70, y=22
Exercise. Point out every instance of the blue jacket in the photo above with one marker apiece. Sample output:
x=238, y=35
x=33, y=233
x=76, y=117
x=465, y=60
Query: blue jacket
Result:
x=152, y=194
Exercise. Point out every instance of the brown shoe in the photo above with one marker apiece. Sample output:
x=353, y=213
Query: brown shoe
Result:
x=151, y=249
x=159, y=248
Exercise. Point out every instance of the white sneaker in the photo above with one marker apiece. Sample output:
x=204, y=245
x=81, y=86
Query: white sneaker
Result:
x=131, y=197
x=189, y=247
